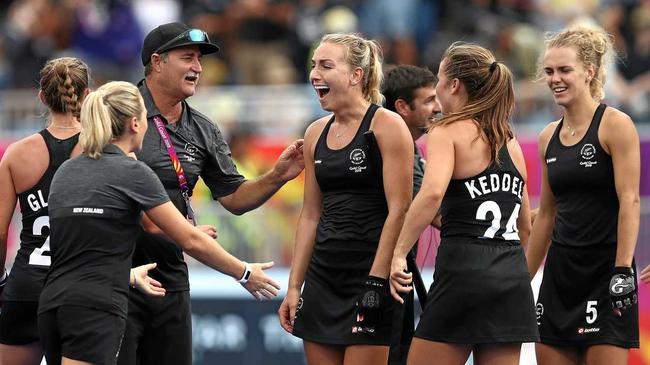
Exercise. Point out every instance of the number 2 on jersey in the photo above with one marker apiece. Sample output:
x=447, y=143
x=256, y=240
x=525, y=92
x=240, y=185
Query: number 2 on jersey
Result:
x=37, y=257
x=511, y=233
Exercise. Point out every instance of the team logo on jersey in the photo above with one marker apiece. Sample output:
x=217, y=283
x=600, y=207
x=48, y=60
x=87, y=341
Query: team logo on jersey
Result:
x=191, y=150
x=539, y=312
x=588, y=152
x=357, y=157
x=551, y=160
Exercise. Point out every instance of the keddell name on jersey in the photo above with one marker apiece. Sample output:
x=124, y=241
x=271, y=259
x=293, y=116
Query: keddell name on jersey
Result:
x=494, y=182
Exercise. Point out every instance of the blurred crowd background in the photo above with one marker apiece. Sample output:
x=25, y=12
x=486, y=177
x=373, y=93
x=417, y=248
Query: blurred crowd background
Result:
x=269, y=41
x=256, y=88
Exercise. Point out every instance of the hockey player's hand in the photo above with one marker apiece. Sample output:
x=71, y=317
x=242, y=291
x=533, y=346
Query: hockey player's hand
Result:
x=260, y=285
x=209, y=230
x=401, y=281
x=369, y=305
x=141, y=280
x=290, y=305
x=645, y=275
x=622, y=289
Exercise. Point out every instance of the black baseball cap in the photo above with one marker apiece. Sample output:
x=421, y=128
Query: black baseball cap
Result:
x=173, y=35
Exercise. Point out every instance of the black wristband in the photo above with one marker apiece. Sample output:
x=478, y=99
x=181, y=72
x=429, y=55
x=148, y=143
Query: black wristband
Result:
x=623, y=270
x=376, y=281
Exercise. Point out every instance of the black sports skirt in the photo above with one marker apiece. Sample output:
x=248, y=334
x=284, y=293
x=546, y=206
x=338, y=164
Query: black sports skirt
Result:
x=327, y=307
x=574, y=307
x=480, y=294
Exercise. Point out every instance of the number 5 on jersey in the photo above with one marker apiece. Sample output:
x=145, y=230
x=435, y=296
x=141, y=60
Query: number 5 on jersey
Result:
x=37, y=257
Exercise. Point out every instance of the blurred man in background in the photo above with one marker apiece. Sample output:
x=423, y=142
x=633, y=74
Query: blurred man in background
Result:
x=410, y=92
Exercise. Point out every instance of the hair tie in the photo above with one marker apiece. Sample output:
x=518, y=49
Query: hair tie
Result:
x=103, y=95
x=493, y=66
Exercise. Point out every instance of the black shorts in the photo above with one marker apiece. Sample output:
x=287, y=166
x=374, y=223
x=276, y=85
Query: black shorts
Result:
x=80, y=333
x=574, y=307
x=18, y=323
x=158, y=330
x=327, y=308
x=481, y=294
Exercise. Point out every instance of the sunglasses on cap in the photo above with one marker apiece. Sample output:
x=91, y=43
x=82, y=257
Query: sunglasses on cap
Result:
x=192, y=35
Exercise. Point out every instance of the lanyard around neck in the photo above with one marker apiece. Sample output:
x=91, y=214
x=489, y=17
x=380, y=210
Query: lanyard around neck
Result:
x=176, y=163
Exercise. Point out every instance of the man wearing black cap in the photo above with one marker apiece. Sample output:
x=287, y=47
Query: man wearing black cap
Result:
x=159, y=329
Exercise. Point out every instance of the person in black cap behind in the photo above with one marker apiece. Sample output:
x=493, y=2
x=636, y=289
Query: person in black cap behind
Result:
x=159, y=329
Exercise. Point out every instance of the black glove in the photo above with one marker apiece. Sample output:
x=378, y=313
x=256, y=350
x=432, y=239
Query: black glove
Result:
x=369, y=305
x=622, y=289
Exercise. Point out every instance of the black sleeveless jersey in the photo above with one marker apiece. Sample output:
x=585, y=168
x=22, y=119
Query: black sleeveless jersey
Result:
x=485, y=206
x=33, y=257
x=582, y=180
x=351, y=182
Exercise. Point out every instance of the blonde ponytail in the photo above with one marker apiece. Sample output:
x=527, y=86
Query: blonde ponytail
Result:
x=105, y=114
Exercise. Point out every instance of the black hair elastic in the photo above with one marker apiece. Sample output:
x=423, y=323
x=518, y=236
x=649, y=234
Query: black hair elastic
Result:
x=493, y=66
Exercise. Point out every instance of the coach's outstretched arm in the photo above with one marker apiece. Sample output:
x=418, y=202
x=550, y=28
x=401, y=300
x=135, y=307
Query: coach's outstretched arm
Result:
x=253, y=193
x=209, y=252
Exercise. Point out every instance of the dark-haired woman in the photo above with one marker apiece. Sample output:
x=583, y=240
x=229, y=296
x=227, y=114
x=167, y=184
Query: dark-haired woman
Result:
x=481, y=299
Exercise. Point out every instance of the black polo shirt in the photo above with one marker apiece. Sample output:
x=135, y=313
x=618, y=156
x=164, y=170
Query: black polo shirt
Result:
x=95, y=209
x=203, y=152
